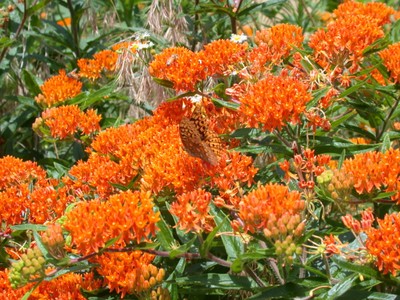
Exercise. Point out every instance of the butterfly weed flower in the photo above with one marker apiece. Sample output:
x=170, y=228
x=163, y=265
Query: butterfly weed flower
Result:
x=221, y=56
x=180, y=66
x=105, y=60
x=127, y=216
x=391, y=60
x=383, y=244
x=130, y=273
x=65, y=121
x=192, y=211
x=275, y=211
x=273, y=101
x=274, y=44
x=357, y=26
x=58, y=89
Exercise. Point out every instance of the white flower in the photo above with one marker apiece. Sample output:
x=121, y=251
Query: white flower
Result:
x=145, y=45
x=195, y=98
x=238, y=38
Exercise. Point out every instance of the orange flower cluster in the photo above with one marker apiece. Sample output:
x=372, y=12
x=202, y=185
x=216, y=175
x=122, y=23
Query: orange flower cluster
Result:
x=383, y=243
x=391, y=60
x=103, y=60
x=220, y=56
x=65, y=287
x=129, y=273
x=192, y=211
x=25, y=192
x=357, y=26
x=58, y=89
x=95, y=177
x=180, y=66
x=375, y=170
x=185, y=68
x=127, y=216
x=274, y=44
x=378, y=12
x=273, y=101
x=270, y=202
x=65, y=121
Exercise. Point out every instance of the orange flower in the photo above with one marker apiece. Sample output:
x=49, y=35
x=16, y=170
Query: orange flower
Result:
x=262, y=207
x=192, y=211
x=272, y=101
x=103, y=60
x=391, y=60
x=274, y=44
x=58, y=89
x=65, y=121
x=378, y=12
x=343, y=43
x=180, y=66
x=127, y=216
x=131, y=46
x=220, y=55
x=129, y=273
x=383, y=243
x=375, y=170
x=64, y=22
x=26, y=193
x=89, y=178
x=15, y=171
x=107, y=59
x=89, y=68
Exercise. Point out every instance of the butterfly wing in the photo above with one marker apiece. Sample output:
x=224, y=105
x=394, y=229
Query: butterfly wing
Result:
x=193, y=143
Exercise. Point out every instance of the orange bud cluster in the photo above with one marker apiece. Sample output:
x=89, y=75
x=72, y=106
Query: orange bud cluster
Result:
x=337, y=184
x=130, y=273
x=367, y=218
x=54, y=240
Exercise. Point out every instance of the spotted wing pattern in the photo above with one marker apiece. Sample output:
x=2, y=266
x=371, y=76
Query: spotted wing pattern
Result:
x=198, y=139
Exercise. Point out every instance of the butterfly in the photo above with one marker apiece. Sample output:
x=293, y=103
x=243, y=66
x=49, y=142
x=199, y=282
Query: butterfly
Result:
x=198, y=139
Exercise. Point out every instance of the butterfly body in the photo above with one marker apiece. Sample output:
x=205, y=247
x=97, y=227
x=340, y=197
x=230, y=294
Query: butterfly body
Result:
x=198, y=139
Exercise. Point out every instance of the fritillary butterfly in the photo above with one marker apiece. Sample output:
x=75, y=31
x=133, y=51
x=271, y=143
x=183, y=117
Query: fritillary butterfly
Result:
x=198, y=139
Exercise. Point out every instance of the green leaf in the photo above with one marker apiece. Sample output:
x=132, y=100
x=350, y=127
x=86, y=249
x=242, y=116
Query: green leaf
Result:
x=365, y=270
x=206, y=245
x=182, y=249
x=40, y=244
x=28, y=294
x=163, y=82
x=246, y=11
x=30, y=82
x=342, y=287
x=180, y=96
x=164, y=234
x=237, y=265
x=218, y=281
x=6, y=42
x=39, y=5
x=385, y=143
x=233, y=244
x=287, y=291
x=33, y=227
x=227, y=104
